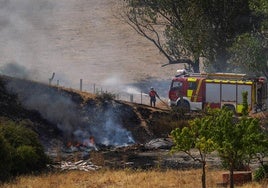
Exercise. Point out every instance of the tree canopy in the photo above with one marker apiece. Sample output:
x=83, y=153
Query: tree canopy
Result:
x=250, y=50
x=185, y=31
x=237, y=140
x=197, y=135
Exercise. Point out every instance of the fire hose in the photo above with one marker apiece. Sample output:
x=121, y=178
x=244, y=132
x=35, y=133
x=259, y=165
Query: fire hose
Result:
x=164, y=102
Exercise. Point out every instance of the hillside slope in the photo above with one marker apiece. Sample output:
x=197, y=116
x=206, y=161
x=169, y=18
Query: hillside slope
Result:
x=61, y=115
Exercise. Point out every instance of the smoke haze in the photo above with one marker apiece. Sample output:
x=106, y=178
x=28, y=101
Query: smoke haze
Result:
x=75, y=122
x=76, y=40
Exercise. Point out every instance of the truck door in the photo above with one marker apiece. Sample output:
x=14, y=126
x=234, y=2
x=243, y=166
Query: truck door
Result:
x=195, y=89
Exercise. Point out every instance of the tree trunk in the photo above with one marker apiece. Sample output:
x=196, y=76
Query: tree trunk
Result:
x=204, y=174
x=232, y=176
x=196, y=66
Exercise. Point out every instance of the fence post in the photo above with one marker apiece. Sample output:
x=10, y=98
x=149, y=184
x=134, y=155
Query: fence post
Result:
x=94, y=88
x=81, y=84
x=131, y=97
x=141, y=97
x=50, y=79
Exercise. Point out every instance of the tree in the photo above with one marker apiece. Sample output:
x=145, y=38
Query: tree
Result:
x=163, y=23
x=184, y=31
x=197, y=135
x=238, y=139
x=250, y=50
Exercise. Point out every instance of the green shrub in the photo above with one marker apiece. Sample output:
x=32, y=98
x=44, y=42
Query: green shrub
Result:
x=21, y=149
x=5, y=158
x=245, y=103
x=18, y=135
x=25, y=160
x=261, y=173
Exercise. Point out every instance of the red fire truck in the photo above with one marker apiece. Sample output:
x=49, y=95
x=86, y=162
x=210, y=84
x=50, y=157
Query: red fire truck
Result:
x=217, y=90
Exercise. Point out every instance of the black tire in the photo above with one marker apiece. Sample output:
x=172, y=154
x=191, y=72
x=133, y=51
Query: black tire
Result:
x=183, y=105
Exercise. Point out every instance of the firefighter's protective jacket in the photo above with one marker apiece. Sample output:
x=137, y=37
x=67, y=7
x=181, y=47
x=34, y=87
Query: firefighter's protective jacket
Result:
x=153, y=94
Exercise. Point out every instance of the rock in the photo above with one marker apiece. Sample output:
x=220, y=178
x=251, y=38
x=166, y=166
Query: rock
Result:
x=159, y=143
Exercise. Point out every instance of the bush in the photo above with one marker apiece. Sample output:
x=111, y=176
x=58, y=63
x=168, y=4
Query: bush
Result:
x=5, y=158
x=261, y=173
x=20, y=149
x=104, y=96
x=25, y=160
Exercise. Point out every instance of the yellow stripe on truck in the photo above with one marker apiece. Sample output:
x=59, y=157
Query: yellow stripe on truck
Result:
x=230, y=81
x=191, y=79
x=197, y=90
x=189, y=93
x=213, y=81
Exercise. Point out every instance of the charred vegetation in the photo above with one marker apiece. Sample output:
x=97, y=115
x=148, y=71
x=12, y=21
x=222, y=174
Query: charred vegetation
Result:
x=60, y=115
x=126, y=135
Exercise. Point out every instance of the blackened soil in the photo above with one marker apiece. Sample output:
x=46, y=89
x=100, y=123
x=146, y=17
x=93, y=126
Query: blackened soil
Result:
x=138, y=157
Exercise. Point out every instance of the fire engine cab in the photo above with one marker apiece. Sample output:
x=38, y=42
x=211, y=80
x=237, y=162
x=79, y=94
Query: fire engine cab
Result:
x=217, y=90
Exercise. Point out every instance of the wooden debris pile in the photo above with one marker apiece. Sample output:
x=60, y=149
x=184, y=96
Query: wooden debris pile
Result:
x=83, y=165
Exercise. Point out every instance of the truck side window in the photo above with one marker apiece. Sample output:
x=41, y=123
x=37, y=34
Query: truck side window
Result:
x=192, y=86
x=177, y=85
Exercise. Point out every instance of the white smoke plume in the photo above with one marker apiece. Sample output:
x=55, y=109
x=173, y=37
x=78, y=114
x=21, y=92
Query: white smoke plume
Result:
x=23, y=35
x=75, y=122
x=110, y=131
x=76, y=40
x=14, y=70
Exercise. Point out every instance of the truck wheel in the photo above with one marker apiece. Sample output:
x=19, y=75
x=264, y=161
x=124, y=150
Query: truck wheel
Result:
x=184, y=105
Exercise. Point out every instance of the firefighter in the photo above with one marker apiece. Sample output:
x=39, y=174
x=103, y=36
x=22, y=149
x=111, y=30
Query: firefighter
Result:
x=153, y=94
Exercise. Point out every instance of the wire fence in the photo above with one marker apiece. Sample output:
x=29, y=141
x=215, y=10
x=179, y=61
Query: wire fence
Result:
x=134, y=95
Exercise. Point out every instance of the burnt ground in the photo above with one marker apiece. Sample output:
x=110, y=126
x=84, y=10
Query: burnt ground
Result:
x=149, y=146
x=137, y=157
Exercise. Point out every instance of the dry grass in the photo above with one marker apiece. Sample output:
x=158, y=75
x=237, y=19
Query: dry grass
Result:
x=123, y=178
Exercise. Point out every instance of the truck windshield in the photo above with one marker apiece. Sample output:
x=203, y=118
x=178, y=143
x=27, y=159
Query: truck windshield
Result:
x=176, y=85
